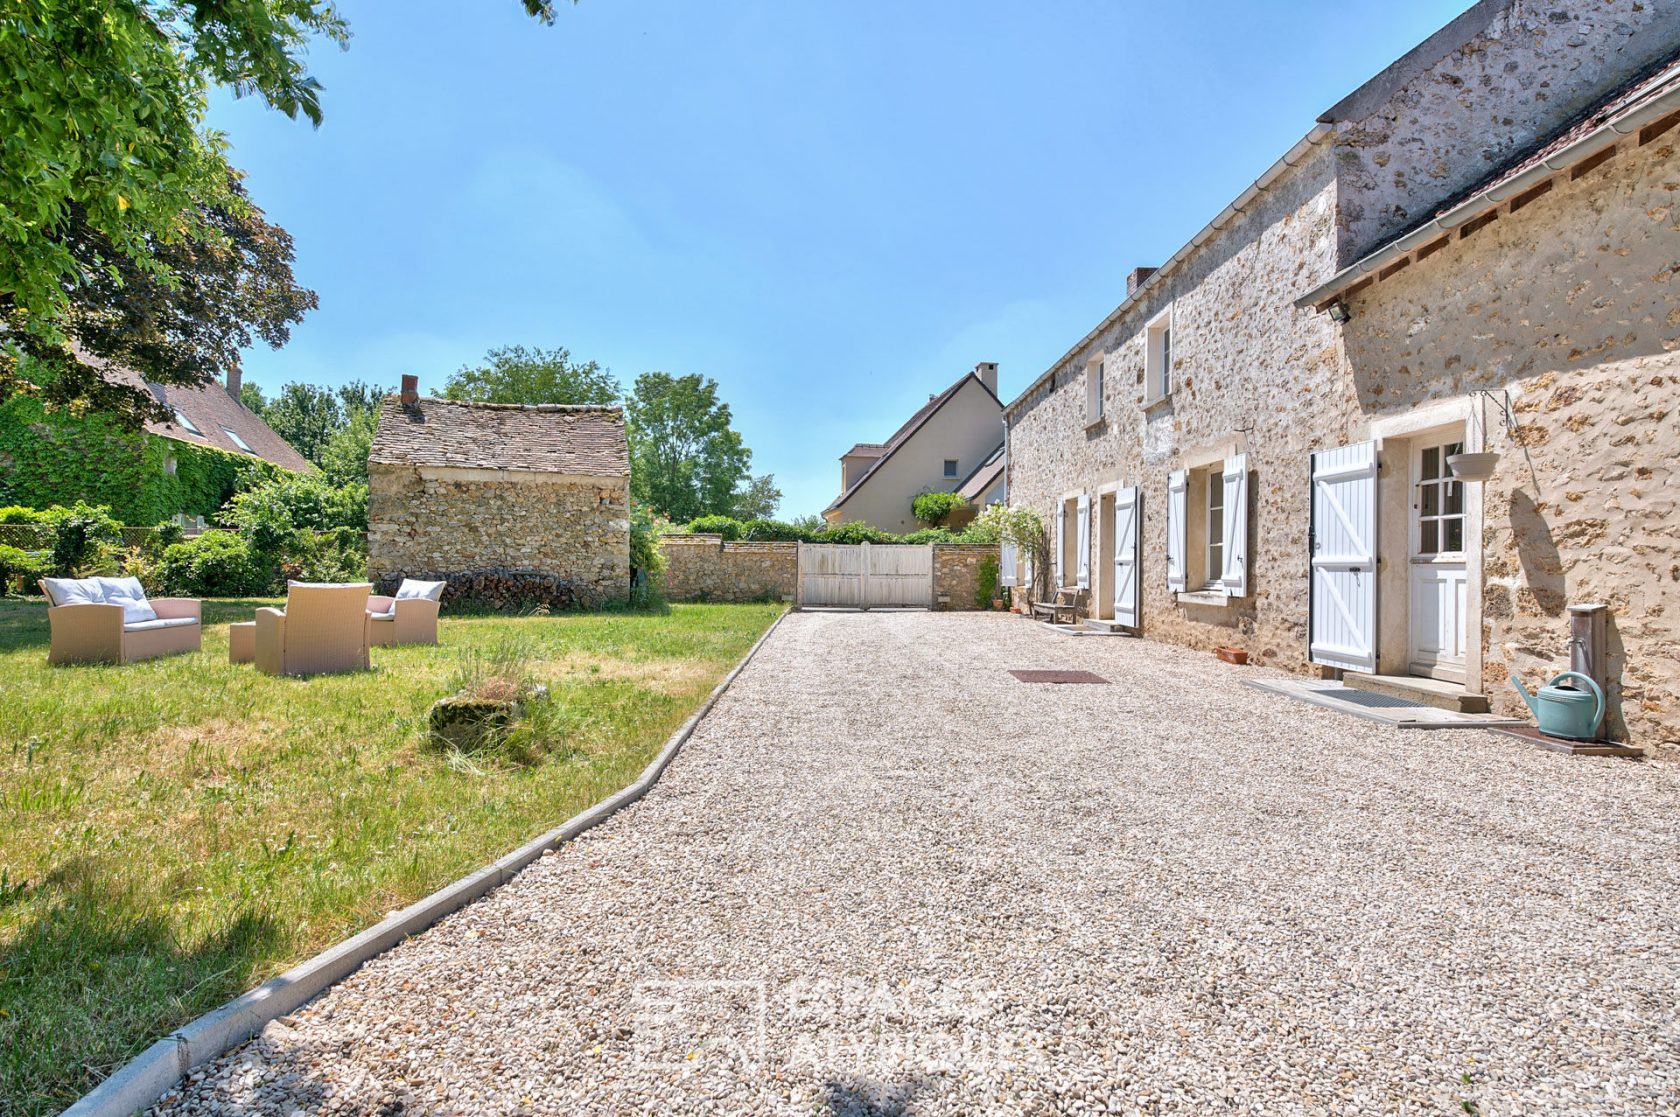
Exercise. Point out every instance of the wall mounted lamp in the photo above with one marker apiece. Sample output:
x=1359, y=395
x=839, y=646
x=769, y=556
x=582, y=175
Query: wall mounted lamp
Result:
x=1339, y=312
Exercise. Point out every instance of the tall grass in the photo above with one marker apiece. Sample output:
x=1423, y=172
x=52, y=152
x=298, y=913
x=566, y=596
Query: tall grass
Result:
x=175, y=831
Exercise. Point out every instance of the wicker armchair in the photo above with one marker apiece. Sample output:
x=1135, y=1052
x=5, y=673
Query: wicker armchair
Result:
x=411, y=617
x=323, y=630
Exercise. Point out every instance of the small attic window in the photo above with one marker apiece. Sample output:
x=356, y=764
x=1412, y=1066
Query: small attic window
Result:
x=237, y=441
x=950, y=467
x=182, y=420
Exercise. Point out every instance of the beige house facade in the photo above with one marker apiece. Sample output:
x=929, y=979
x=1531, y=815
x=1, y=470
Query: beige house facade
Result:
x=531, y=500
x=953, y=440
x=1475, y=252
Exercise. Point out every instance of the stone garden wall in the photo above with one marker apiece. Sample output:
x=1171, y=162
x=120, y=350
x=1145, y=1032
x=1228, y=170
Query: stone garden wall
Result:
x=575, y=531
x=956, y=574
x=706, y=568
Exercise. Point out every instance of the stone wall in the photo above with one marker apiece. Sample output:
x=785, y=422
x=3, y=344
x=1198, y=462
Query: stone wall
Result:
x=421, y=524
x=706, y=568
x=956, y=574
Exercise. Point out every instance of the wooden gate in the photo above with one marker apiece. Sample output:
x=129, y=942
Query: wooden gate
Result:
x=862, y=575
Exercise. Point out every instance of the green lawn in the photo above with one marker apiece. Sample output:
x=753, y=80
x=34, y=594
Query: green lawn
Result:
x=175, y=831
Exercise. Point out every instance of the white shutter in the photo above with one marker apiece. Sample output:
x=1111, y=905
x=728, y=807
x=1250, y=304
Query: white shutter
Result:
x=1082, y=553
x=1344, y=558
x=1177, y=483
x=1126, y=557
x=1056, y=551
x=1008, y=559
x=1235, y=575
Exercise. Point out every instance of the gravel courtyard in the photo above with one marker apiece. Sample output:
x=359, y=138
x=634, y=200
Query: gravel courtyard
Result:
x=886, y=877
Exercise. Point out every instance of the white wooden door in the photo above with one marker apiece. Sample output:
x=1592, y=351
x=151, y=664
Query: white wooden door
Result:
x=1438, y=579
x=1344, y=557
x=1126, y=557
x=861, y=576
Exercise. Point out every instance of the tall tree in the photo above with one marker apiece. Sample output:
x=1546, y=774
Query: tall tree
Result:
x=759, y=500
x=251, y=395
x=109, y=169
x=305, y=416
x=685, y=459
x=343, y=456
x=515, y=374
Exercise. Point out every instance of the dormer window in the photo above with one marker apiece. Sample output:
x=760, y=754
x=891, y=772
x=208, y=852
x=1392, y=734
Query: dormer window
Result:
x=186, y=424
x=233, y=436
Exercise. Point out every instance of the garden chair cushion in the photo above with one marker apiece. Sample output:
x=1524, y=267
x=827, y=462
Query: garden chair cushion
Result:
x=411, y=589
x=103, y=591
x=158, y=622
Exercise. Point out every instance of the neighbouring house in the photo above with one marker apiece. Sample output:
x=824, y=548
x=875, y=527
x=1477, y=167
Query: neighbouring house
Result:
x=1473, y=252
x=941, y=448
x=513, y=503
x=186, y=466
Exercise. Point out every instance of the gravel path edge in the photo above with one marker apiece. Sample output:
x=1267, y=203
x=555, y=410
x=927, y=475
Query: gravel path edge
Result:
x=149, y=1075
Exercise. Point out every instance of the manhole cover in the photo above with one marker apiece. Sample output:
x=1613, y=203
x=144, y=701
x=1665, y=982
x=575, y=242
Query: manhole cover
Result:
x=1058, y=677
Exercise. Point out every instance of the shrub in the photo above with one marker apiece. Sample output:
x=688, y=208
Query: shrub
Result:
x=932, y=508
x=86, y=539
x=773, y=531
x=855, y=532
x=339, y=555
x=18, y=514
x=645, y=554
x=270, y=513
x=15, y=563
x=215, y=564
x=726, y=526
x=986, y=583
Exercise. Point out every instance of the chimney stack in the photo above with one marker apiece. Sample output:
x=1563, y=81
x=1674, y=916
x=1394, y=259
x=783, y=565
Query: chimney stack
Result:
x=410, y=389
x=1136, y=278
x=987, y=372
x=235, y=380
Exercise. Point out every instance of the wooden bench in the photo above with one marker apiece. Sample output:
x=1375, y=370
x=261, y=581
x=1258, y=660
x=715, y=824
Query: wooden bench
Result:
x=1066, y=602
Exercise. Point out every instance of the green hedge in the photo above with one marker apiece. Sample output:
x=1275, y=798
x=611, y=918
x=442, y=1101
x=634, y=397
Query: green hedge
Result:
x=58, y=458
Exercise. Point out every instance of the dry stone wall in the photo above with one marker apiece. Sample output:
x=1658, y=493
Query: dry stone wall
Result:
x=576, y=530
x=956, y=574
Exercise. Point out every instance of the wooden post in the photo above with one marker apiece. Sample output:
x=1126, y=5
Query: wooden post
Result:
x=1586, y=641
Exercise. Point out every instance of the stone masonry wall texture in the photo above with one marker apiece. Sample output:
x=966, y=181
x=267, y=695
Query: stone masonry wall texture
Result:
x=1570, y=302
x=956, y=574
x=705, y=568
x=577, y=529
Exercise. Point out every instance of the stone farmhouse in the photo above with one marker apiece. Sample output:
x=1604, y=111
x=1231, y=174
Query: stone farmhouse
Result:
x=512, y=503
x=1476, y=252
x=953, y=443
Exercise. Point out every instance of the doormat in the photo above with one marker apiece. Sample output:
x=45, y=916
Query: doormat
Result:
x=1058, y=677
x=1571, y=748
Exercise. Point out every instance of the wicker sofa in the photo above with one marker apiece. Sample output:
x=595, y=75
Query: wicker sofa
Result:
x=111, y=620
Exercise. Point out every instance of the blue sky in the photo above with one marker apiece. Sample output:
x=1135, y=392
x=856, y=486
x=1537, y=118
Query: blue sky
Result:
x=832, y=209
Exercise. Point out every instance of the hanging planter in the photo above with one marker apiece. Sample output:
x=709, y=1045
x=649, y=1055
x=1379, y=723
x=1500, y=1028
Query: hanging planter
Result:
x=1473, y=467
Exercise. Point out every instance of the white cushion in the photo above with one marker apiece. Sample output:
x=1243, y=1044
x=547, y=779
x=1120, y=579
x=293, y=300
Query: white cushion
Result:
x=390, y=616
x=127, y=593
x=74, y=591
x=411, y=589
x=157, y=623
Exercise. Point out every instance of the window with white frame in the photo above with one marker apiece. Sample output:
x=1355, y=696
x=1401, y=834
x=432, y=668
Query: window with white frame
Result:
x=182, y=420
x=1158, y=358
x=233, y=436
x=950, y=467
x=1215, y=565
x=1094, y=390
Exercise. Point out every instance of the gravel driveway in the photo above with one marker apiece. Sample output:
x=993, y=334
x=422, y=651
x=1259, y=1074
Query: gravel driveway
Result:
x=886, y=877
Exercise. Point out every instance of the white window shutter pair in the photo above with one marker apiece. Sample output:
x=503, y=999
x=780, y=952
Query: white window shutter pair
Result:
x=1008, y=562
x=1177, y=484
x=1082, y=542
x=1234, y=577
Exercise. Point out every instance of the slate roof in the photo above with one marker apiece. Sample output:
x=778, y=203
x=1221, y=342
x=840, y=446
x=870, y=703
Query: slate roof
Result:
x=902, y=434
x=577, y=440
x=214, y=413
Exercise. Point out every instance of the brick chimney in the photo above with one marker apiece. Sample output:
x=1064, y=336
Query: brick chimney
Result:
x=987, y=372
x=235, y=379
x=1136, y=278
x=410, y=389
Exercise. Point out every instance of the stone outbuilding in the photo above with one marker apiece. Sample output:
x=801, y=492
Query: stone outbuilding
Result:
x=1266, y=443
x=513, y=504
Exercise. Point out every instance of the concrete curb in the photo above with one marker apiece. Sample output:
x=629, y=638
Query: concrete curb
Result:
x=151, y=1074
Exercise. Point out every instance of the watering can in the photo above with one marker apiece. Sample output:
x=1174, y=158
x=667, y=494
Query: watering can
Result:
x=1565, y=711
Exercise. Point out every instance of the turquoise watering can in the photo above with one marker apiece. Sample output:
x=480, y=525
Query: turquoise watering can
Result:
x=1564, y=711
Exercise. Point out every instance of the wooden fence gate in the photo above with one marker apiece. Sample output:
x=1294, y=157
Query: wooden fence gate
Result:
x=862, y=575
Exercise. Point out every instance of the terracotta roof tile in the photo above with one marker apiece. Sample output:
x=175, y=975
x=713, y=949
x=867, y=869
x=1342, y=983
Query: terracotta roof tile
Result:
x=217, y=417
x=582, y=441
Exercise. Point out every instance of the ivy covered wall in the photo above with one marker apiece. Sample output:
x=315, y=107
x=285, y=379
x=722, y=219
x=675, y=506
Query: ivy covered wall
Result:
x=57, y=458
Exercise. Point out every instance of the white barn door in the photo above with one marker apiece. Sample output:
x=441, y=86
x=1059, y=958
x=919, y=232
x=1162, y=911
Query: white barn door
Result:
x=1126, y=557
x=1344, y=558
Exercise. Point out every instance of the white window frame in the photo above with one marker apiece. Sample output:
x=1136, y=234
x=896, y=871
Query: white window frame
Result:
x=1214, y=519
x=233, y=436
x=1157, y=358
x=185, y=423
x=1094, y=390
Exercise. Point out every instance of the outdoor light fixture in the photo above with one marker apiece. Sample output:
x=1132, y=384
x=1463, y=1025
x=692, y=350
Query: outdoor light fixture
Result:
x=1339, y=312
